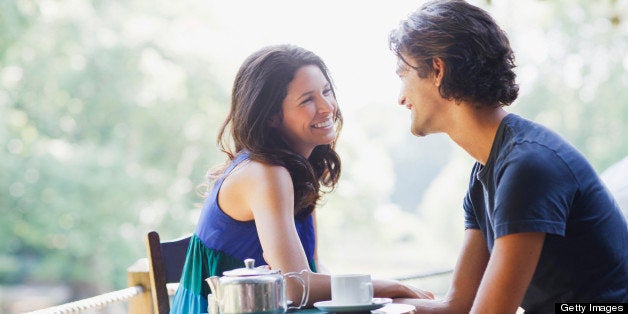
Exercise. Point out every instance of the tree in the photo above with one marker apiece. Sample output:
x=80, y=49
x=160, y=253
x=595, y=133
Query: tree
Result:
x=104, y=136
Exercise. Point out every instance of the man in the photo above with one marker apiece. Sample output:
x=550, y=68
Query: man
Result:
x=540, y=226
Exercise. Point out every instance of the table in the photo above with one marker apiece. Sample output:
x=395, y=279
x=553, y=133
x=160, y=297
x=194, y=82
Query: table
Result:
x=393, y=308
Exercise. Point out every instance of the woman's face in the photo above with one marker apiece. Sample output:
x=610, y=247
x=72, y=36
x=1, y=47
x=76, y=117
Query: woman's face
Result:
x=309, y=111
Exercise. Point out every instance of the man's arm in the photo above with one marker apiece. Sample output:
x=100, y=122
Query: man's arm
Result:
x=500, y=283
x=466, y=278
x=509, y=272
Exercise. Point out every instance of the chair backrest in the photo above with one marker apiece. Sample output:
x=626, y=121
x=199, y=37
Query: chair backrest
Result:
x=165, y=261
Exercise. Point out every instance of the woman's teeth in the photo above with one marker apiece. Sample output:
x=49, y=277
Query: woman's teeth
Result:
x=324, y=124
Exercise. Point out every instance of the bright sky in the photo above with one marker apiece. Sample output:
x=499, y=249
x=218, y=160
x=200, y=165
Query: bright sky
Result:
x=350, y=36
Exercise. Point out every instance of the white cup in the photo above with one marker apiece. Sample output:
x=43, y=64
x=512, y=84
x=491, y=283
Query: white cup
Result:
x=354, y=289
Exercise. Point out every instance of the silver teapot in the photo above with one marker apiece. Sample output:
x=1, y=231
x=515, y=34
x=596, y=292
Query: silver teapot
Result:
x=253, y=290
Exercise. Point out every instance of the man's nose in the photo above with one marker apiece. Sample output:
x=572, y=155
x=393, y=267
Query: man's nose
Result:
x=401, y=100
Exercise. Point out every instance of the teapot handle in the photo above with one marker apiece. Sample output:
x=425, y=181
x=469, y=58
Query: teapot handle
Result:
x=305, y=296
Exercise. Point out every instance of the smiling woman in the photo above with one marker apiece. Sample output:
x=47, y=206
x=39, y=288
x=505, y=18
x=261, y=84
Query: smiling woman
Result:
x=261, y=204
x=282, y=122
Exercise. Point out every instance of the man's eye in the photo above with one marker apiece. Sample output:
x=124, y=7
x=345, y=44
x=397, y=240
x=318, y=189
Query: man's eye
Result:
x=327, y=91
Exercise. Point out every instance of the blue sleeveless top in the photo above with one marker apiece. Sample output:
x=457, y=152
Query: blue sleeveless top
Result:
x=221, y=243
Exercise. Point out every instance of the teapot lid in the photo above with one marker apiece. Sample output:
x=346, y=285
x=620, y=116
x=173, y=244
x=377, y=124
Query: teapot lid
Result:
x=249, y=270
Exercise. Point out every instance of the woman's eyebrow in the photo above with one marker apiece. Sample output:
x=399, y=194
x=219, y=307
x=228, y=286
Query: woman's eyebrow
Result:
x=305, y=94
x=308, y=93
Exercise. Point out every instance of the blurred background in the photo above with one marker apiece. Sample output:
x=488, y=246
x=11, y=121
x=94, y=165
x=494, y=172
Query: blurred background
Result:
x=109, y=112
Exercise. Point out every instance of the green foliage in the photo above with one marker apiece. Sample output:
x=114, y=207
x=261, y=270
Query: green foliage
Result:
x=580, y=86
x=95, y=149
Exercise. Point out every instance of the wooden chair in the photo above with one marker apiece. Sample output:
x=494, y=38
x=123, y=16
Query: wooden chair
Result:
x=165, y=260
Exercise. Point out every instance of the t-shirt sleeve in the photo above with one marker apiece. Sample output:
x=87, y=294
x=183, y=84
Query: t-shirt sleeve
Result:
x=470, y=217
x=534, y=192
x=470, y=220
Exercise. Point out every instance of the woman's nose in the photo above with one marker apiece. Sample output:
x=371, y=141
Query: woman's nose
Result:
x=326, y=105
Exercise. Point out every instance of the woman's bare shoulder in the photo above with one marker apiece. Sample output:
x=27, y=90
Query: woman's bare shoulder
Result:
x=257, y=171
x=257, y=177
x=253, y=183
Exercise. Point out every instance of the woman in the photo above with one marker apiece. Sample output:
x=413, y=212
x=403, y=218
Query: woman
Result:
x=279, y=136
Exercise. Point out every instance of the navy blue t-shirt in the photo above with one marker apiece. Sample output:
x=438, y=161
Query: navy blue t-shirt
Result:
x=534, y=181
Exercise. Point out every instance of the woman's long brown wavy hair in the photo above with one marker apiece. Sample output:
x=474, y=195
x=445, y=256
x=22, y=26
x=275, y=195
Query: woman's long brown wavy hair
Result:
x=259, y=89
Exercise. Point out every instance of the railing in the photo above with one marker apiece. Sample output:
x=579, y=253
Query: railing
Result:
x=139, y=297
x=96, y=302
x=137, y=294
x=424, y=275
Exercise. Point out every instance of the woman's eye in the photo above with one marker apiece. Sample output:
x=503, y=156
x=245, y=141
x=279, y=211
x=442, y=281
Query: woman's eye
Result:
x=306, y=100
x=327, y=91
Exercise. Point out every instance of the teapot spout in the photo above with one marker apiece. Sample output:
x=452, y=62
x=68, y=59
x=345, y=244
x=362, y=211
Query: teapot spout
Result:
x=214, y=284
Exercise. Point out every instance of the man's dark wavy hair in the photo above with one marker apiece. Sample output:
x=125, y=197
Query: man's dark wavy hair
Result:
x=259, y=89
x=478, y=59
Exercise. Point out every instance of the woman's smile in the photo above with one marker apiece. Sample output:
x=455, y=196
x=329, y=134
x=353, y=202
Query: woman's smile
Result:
x=329, y=121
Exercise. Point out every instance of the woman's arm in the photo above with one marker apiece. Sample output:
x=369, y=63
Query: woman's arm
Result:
x=386, y=288
x=265, y=193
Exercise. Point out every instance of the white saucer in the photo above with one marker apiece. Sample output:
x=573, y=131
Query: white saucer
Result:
x=329, y=306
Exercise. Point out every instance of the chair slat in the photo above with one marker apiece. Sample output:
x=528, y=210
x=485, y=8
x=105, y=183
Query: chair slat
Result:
x=166, y=260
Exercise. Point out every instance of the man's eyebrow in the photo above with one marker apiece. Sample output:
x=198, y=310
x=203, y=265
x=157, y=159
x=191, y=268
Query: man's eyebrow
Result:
x=401, y=68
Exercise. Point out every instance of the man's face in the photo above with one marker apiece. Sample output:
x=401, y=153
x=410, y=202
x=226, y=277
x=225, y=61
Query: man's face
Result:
x=420, y=96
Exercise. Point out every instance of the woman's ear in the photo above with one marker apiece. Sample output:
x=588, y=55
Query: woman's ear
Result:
x=275, y=121
x=439, y=70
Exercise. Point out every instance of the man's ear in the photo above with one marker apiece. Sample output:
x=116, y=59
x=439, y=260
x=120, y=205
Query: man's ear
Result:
x=439, y=70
